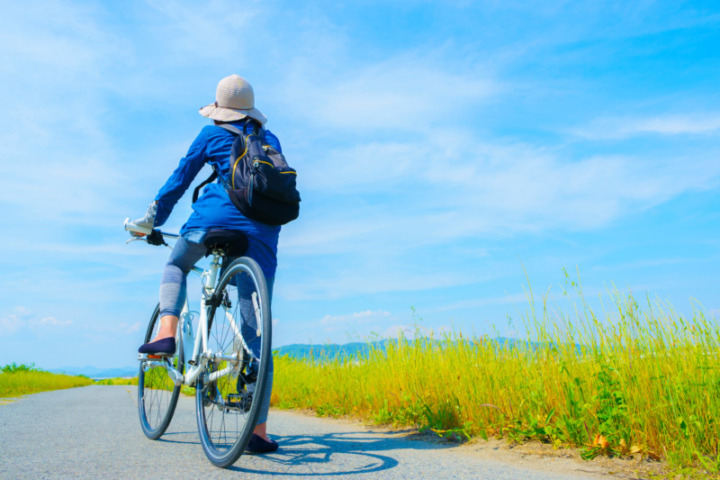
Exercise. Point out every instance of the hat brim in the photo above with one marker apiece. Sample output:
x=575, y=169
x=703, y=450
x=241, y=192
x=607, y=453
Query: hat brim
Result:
x=223, y=114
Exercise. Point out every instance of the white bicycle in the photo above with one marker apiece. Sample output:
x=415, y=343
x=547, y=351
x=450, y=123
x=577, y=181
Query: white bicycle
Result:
x=226, y=360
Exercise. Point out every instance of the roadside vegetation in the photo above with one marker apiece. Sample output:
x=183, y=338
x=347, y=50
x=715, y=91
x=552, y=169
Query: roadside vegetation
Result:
x=117, y=381
x=185, y=390
x=16, y=380
x=632, y=379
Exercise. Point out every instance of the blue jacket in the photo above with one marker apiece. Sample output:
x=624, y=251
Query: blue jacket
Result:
x=213, y=209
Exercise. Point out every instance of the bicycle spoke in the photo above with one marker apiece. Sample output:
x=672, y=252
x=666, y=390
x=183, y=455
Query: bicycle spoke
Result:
x=157, y=392
x=228, y=413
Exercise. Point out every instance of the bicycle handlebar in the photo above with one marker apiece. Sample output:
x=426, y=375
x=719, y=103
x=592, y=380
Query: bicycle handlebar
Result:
x=143, y=232
x=133, y=228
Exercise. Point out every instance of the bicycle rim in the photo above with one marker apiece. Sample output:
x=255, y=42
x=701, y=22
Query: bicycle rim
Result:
x=229, y=393
x=157, y=393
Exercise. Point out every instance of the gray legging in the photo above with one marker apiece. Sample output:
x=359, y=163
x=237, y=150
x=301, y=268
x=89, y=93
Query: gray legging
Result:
x=173, y=289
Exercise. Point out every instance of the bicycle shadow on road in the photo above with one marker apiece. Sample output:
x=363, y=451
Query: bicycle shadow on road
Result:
x=186, y=438
x=331, y=454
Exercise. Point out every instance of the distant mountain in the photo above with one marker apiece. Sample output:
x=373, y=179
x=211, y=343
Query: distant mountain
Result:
x=329, y=350
x=359, y=349
x=296, y=351
x=95, y=372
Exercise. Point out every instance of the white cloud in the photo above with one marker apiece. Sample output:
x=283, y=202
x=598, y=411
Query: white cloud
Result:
x=10, y=324
x=106, y=330
x=52, y=321
x=206, y=30
x=402, y=93
x=483, y=302
x=399, y=94
x=396, y=144
x=366, y=316
x=13, y=322
x=334, y=284
x=22, y=317
x=667, y=125
x=455, y=186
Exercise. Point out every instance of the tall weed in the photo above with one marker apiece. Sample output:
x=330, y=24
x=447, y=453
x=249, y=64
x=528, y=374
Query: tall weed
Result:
x=635, y=380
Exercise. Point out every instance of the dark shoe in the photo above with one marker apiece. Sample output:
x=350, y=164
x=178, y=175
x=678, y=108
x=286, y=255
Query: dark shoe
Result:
x=258, y=445
x=166, y=346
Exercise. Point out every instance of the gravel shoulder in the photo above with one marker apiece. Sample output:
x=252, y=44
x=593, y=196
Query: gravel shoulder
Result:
x=93, y=432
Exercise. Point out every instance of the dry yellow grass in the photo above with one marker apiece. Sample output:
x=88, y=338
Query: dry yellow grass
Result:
x=13, y=384
x=632, y=381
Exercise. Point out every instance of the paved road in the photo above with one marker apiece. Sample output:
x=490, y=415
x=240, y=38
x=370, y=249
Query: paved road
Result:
x=93, y=432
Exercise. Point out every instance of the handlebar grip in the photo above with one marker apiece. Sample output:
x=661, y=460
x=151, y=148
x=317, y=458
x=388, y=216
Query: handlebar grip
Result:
x=131, y=227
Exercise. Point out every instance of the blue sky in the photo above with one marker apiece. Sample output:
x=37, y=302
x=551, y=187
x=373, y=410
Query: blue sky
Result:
x=444, y=149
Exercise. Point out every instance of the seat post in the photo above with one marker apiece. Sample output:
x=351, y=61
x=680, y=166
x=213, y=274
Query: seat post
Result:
x=210, y=274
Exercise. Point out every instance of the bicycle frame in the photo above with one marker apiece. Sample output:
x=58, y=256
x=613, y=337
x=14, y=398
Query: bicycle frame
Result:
x=231, y=383
x=201, y=355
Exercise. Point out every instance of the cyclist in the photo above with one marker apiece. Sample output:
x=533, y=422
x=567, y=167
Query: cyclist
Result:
x=235, y=104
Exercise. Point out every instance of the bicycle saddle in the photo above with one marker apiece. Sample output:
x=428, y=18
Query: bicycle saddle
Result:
x=232, y=242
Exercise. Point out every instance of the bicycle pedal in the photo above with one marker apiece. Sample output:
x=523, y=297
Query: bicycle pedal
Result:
x=238, y=401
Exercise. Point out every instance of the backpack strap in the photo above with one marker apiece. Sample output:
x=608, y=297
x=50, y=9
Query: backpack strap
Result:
x=230, y=128
x=196, y=193
x=256, y=128
x=211, y=178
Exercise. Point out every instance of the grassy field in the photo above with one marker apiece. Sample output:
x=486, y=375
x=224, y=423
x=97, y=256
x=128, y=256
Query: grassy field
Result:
x=16, y=380
x=185, y=390
x=634, y=380
x=117, y=381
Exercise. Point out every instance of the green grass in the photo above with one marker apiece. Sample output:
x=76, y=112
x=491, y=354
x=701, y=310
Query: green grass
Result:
x=632, y=380
x=117, y=381
x=152, y=380
x=16, y=380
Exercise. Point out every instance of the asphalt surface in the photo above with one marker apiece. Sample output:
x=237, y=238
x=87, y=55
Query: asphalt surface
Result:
x=93, y=432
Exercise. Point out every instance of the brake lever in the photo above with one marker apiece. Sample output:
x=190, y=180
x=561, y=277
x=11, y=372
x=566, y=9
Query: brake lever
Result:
x=136, y=239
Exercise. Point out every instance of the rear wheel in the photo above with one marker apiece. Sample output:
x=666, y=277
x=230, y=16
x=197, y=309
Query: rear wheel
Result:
x=157, y=393
x=229, y=392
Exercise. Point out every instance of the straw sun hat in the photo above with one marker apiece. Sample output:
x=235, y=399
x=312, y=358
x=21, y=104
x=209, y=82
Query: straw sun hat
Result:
x=234, y=100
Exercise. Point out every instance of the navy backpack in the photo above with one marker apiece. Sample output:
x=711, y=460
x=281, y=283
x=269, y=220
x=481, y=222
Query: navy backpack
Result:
x=261, y=185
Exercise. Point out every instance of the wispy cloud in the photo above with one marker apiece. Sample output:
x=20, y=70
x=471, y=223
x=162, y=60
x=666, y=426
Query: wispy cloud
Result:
x=364, y=316
x=455, y=186
x=21, y=318
x=52, y=321
x=399, y=94
x=419, y=151
x=357, y=321
x=667, y=125
x=654, y=262
x=406, y=92
x=353, y=281
x=11, y=323
x=515, y=298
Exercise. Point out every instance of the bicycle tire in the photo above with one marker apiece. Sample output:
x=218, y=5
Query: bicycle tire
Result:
x=156, y=406
x=227, y=396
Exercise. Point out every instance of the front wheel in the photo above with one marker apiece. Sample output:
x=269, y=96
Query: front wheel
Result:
x=230, y=390
x=157, y=393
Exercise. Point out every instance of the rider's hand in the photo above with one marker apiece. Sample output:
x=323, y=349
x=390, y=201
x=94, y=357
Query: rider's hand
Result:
x=156, y=238
x=148, y=221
